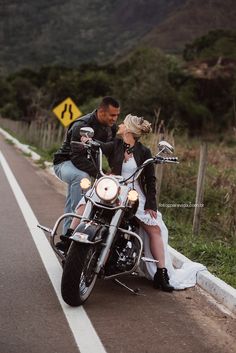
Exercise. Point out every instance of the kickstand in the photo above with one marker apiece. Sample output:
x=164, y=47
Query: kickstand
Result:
x=135, y=291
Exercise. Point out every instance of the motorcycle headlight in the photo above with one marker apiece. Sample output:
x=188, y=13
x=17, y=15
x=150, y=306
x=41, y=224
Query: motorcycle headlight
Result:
x=85, y=184
x=132, y=195
x=107, y=188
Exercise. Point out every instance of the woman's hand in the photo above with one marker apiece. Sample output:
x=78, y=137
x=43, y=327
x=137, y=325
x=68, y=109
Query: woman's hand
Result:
x=152, y=213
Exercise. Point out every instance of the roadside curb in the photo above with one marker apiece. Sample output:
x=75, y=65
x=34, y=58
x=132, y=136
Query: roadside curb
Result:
x=24, y=148
x=218, y=289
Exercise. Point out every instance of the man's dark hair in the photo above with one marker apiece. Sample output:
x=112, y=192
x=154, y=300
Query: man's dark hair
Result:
x=108, y=100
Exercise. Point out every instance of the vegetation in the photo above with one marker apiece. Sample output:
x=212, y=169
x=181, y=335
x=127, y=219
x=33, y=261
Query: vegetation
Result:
x=190, y=20
x=73, y=32
x=215, y=246
x=59, y=33
x=213, y=45
x=147, y=80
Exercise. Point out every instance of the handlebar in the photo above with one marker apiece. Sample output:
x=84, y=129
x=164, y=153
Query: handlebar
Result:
x=157, y=160
x=88, y=144
x=160, y=160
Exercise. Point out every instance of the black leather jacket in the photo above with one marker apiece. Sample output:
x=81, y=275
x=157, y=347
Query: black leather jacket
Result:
x=115, y=154
x=78, y=156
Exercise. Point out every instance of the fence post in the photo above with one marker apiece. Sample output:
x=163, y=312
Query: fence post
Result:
x=44, y=135
x=49, y=135
x=60, y=134
x=200, y=187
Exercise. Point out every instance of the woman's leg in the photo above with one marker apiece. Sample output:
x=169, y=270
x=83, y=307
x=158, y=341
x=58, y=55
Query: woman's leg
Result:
x=156, y=243
x=161, y=278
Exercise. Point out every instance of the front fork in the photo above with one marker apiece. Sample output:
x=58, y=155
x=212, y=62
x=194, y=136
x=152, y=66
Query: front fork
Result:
x=111, y=235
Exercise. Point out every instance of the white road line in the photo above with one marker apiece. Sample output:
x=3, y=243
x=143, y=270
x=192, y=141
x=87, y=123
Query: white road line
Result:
x=84, y=333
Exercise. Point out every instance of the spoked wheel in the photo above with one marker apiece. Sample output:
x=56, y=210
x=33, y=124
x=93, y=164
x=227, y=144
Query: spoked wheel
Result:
x=78, y=278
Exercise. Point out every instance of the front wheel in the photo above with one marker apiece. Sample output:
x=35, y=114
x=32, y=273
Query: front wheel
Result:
x=78, y=278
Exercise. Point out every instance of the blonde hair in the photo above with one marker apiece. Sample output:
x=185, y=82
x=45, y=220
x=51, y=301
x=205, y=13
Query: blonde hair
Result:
x=137, y=125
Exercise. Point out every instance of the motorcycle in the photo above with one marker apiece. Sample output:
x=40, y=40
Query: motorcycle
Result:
x=105, y=244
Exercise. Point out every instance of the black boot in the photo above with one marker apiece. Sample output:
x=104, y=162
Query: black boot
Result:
x=161, y=280
x=65, y=242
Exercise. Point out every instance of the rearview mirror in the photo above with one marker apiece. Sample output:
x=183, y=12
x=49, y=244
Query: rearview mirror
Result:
x=165, y=147
x=87, y=132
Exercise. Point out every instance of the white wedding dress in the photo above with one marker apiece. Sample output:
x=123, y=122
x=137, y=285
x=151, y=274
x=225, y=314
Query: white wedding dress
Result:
x=181, y=278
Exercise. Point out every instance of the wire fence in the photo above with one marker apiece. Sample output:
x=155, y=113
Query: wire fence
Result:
x=42, y=134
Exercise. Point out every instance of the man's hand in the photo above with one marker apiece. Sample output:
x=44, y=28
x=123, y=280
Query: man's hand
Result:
x=85, y=139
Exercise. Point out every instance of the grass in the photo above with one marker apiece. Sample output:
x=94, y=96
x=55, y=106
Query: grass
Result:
x=218, y=255
x=40, y=163
x=215, y=246
x=27, y=154
x=46, y=154
x=10, y=142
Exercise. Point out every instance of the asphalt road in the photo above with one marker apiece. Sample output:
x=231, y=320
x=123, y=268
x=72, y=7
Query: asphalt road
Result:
x=33, y=317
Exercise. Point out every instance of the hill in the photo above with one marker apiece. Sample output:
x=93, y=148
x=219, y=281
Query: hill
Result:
x=69, y=33
x=193, y=19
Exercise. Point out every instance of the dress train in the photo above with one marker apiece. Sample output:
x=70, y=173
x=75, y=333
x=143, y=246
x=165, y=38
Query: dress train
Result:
x=180, y=278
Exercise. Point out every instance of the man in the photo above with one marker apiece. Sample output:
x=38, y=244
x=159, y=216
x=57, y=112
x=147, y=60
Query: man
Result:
x=71, y=167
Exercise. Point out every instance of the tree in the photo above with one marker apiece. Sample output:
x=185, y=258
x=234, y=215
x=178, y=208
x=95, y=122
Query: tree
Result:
x=212, y=45
x=24, y=92
x=143, y=84
x=6, y=92
x=192, y=113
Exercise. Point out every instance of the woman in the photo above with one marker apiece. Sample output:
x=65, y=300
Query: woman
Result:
x=124, y=156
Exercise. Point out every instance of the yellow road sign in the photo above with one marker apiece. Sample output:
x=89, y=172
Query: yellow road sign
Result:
x=67, y=111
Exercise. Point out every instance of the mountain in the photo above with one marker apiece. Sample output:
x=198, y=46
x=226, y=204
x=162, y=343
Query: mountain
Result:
x=193, y=19
x=71, y=32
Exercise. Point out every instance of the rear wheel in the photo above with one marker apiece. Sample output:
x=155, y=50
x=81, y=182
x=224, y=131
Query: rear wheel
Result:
x=78, y=278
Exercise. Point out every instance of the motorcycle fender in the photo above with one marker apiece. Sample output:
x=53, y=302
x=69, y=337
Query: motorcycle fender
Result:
x=89, y=233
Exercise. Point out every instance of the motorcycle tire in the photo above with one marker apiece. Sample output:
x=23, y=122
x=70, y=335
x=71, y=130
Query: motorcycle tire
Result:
x=78, y=278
